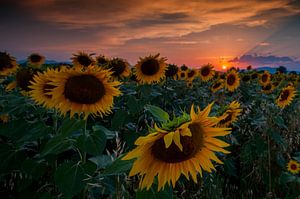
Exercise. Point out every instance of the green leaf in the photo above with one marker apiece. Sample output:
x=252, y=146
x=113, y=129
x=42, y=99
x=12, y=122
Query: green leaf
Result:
x=69, y=179
x=158, y=113
x=92, y=142
x=69, y=126
x=152, y=193
x=109, y=134
x=119, y=119
x=277, y=138
x=287, y=177
x=280, y=122
x=134, y=105
x=56, y=145
x=118, y=166
x=296, y=156
x=101, y=161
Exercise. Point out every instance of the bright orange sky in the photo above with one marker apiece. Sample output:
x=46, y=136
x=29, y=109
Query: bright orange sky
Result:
x=192, y=33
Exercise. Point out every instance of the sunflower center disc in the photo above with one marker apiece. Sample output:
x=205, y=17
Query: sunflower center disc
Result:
x=84, y=89
x=118, y=68
x=190, y=146
x=23, y=79
x=173, y=154
x=227, y=119
x=205, y=71
x=46, y=89
x=35, y=58
x=267, y=87
x=231, y=80
x=150, y=67
x=101, y=61
x=217, y=85
x=264, y=78
x=191, y=74
x=293, y=167
x=84, y=60
x=5, y=61
x=285, y=94
x=171, y=71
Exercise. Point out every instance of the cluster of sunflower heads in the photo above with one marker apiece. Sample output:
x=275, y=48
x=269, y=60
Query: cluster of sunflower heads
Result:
x=185, y=145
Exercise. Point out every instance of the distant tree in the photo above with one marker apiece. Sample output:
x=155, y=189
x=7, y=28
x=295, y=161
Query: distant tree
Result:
x=293, y=72
x=249, y=67
x=281, y=69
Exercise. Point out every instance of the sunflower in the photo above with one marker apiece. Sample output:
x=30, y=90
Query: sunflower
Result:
x=101, y=60
x=151, y=69
x=4, y=118
x=189, y=84
x=232, y=80
x=217, y=85
x=24, y=77
x=286, y=96
x=206, y=72
x=87, y=91
x=191, y=74
x=230, y=115
x=41, y=86
x=184, y=68
x=182, y=74
x=36, y=60
x=254, y=76
x=265, y=78
x=293, y=166
x=172, y=150
x=268, y=88
x=119, y=67
x=82, y=59
x=171, y=70
x=8, y=64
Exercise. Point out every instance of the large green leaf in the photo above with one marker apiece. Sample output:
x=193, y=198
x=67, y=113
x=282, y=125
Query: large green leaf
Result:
x=92, y=142
x=69, y=179
x=118, y=166
x=158, y=113
x=152, y=193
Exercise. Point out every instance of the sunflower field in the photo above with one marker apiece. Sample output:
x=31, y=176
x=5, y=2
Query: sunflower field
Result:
x=100, y=128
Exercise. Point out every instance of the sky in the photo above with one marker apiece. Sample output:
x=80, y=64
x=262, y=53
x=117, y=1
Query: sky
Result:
x=191, y=32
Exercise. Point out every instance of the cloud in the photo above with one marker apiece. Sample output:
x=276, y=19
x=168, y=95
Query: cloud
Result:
x=121, y=21
x=267, y=60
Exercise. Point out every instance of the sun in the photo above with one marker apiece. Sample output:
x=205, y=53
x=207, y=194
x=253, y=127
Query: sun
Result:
x=224, y=67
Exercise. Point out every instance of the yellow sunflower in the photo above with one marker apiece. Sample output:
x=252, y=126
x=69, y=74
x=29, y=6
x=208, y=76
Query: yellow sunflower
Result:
x=265, y=78
x=230, y=115
x=206, y=72
x=268, y=88
x=119, y=67
x=4, y=118
x=293, y=166
x=151, y=69
x=286, y=96
x=187, y=149
x=182, y=74
x=82, y=59
x=189, y=84
x=41, y=86
x=8, y=64
x=232, y=81
x=101, y=60
x=172, y=71
x=191, y=74
x=35, y=60
x=217, y=85
x=84, y=90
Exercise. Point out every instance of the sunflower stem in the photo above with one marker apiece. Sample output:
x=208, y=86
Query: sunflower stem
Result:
x=269, y=164
x=84, y=133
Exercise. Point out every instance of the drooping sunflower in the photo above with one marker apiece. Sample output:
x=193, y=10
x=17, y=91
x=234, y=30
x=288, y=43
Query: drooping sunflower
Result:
x=232, y=81
x=184, y=68
x=286, y=96
x=119, y=67
x=268, y=88
x=84, y=91
x=254, y=75
x=82, y=59
x=293, y=166
x=217, y=85
x=41, y=86
x=101, y=60
x=246, y=78
x=35, y=60
x=206, y=72
x=151, y=69
x=187, y=149
x=265, y=78
x=8, y=64
x=230, y=115
x=191, y=74
x=172, y=70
